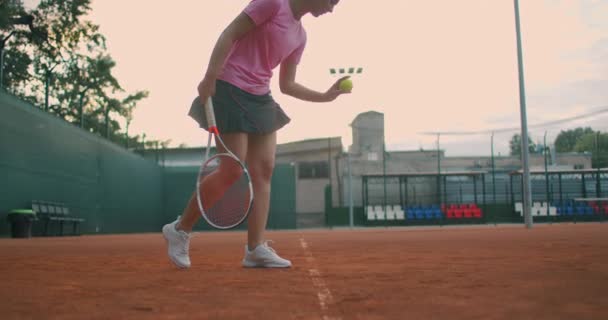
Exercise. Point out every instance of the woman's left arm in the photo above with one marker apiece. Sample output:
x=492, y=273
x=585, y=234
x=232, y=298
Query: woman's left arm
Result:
x=289, y=86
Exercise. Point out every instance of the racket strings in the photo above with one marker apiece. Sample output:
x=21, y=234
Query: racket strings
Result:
x=232, y=204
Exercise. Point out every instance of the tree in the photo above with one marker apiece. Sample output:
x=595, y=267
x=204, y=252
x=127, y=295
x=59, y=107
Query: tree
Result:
x=16, y=62
x=515, y=145
x=63, y=65
x=595, y=143
x=567, y=140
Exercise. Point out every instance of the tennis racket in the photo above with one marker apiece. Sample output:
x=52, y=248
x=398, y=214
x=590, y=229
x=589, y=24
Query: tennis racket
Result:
x=223, y=189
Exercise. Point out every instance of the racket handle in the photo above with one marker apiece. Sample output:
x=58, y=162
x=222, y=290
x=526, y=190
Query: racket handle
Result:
x=210, y=116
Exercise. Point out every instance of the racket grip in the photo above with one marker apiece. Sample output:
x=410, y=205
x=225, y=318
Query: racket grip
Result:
x=210, y=116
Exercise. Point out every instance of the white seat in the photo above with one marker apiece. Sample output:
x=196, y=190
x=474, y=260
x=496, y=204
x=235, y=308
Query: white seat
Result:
x=536, y=209
x=390, y=213
x=399, y=214
x=552, y=211
x=519, y=207
x=379, y=212
x=370, y=213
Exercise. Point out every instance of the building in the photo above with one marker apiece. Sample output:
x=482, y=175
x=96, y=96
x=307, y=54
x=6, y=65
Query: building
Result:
x=323, y=161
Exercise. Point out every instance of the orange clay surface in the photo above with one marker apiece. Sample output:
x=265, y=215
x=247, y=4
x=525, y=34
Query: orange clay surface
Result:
x=557, y=271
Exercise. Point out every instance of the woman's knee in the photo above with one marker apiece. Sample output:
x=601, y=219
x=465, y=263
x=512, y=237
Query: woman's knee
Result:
x=262, y=170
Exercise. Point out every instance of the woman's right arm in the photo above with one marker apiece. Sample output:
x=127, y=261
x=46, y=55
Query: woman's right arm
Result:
x=239, y=27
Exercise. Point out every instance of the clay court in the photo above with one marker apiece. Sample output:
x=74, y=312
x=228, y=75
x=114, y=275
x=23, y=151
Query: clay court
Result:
x=557, y=271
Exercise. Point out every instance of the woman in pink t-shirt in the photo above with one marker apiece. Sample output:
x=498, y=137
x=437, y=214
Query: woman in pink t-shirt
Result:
x=268, y=33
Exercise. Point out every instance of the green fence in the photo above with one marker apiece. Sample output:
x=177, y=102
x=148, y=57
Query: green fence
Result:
x=44, y=158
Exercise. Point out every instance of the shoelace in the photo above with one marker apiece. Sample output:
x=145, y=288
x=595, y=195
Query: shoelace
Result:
x=186, y=247
x=266, y=244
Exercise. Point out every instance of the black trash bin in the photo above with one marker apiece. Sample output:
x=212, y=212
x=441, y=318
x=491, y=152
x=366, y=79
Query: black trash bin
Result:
x=21, y=222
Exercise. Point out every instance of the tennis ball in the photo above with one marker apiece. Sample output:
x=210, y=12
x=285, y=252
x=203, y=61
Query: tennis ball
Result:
x=346, y=85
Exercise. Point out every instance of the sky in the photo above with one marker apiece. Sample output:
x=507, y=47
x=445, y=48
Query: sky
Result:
x=429, y=65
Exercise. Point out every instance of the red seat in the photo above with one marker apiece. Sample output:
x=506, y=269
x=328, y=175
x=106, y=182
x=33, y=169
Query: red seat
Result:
x=453, y=206
x=468, y=213
x=450, y=213
x=458, y=213
x=477, y=213
x=463, y=206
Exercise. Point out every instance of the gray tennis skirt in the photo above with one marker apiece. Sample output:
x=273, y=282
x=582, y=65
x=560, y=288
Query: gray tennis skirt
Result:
x=239, y=111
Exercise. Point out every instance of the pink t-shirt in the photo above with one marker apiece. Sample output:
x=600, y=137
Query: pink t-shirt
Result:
x=278, y=37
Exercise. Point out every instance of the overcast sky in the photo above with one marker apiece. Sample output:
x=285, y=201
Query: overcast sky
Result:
x=429, y=65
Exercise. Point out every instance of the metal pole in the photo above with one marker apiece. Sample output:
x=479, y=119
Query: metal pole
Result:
x=493, y=171
x=546, y=171
x=438, y=168
x=524, y=125
x=384, y=168
x=598, y=184
x=350, y=192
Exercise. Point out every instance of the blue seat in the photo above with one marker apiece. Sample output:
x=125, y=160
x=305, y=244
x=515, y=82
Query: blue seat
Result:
x=559, y=210
x=580, y=210
x=438, y=214
x=569, y=211
x=428, y=213
x=419, y=213
x=588, y=211
x=410, y=214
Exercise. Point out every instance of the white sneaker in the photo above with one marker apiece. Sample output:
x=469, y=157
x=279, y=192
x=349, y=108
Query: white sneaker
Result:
x=178, y=243
x=263, y=256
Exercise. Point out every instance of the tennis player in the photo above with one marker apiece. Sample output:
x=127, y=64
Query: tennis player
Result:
x=266, y=34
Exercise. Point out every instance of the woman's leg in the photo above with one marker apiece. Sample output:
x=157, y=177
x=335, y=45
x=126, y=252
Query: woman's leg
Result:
x=237, y=143
x=260, y=161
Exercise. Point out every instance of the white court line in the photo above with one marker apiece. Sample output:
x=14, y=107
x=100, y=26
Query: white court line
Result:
x=323, y=292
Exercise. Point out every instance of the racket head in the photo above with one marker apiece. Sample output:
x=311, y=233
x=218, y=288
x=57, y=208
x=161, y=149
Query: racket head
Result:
x=224, y=206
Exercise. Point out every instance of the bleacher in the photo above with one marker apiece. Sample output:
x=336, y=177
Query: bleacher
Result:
x=565, y=209
x=429, y=213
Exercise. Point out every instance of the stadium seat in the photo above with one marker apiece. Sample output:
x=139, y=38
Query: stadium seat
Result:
x=553, y=211
x=449, y=213
x=428, y=213
x=379, y=212
x=468, y=213
x=458, y=213
x=477, y=213
x=569, y=211
x=580, y=210
x=519, y=207
x=419, y=213
x=371, y=215
x=438, y=214
x=588, y=211
x=390, y=214
x=410, y=214
x=399, y=214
